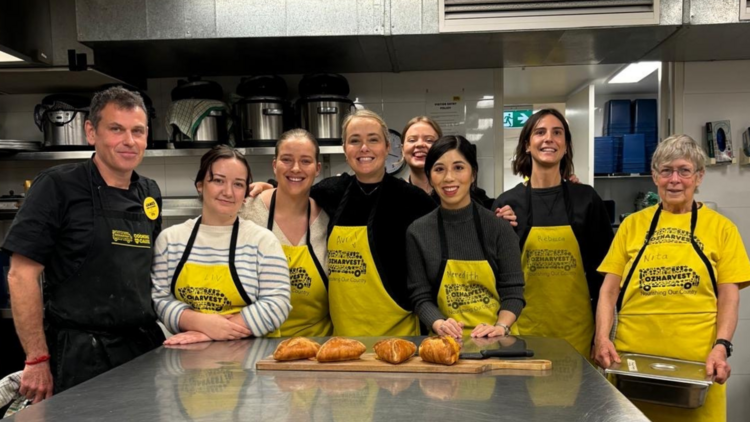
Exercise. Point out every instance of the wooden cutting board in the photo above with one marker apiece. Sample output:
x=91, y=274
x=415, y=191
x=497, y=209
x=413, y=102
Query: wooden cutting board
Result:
x=369, y=363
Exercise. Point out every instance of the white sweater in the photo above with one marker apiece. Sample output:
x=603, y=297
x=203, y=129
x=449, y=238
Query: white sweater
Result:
x=259, y=259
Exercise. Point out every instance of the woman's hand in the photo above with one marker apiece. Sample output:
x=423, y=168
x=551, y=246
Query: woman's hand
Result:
x=717, y=364
x=486, y=330
x=258, y=187
x=574, y=179
x=220, y=327
x=187, y=337
x=448, y=327
x=508, y=214
x=604, y=353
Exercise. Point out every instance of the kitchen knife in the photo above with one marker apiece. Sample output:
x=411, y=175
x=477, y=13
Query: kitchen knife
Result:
x=498, y=353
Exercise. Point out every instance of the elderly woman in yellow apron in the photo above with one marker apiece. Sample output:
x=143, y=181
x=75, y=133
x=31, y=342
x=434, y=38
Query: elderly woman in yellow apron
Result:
x=220, y=277
x=302, y=228
x=564, y=233
x=672, y=281
x=465, y=274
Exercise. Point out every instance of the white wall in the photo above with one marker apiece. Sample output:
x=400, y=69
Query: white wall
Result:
x=721, y=91
x=580, y=114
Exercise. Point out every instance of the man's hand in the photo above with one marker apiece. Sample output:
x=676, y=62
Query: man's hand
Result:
x=36, y=382
x=508, y=214
x=717, y=364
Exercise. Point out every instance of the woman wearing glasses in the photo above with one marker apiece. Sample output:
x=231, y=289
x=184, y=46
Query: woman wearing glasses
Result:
x=676, y=294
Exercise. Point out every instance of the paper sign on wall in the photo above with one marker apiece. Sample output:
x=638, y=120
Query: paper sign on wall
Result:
x=449, y=112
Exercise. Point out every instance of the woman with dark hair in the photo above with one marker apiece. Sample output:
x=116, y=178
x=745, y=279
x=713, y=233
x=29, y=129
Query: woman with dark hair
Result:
x=419, y=134
x=465, y=265
x=219, y=277
x=564, y=230
x=302, y=228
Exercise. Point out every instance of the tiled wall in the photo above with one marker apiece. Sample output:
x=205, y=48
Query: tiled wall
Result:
x=721, y=91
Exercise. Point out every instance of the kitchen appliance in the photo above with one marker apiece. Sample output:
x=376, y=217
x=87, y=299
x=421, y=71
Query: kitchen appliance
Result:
x=665, y=381
x=198, y=102
x=323, y=106
x=62, y=118
x=263, y=111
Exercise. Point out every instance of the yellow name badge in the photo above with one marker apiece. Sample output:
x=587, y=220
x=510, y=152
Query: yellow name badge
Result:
x=151, y=208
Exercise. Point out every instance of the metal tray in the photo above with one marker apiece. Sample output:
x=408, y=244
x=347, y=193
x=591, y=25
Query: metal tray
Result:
x=660, y=380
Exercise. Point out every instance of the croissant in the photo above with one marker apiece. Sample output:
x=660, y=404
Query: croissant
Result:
x=394, y=350
x=339, y=349
x=442, y=350
x=296, y=348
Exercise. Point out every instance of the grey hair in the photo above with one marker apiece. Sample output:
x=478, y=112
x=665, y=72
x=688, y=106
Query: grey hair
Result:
x=121, y=97
x=679, y=147
x=365, y=114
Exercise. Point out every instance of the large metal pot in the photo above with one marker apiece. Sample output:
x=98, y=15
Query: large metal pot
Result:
x=262, y=120
x=63, y=121
x=211, y=131
x=323, y=115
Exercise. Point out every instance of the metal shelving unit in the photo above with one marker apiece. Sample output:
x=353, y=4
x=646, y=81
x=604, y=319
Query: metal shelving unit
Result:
x=624, y=176
x=186, y=152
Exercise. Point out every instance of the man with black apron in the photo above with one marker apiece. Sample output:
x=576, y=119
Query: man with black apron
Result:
x=89, y=227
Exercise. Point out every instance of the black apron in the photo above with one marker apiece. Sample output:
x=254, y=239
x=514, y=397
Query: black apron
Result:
x=102, y=316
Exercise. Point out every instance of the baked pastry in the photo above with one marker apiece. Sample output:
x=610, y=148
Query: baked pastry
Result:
x=296, y=348
x=394, y=350
x=443, y=350
x=338, y=349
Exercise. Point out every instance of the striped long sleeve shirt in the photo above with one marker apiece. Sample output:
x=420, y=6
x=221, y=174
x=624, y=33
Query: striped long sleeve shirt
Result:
x=261, y=266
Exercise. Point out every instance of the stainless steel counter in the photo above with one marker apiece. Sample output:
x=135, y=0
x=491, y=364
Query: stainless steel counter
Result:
x=218, y=381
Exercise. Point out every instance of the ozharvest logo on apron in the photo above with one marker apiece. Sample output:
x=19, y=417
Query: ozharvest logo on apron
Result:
x=300, y=280
x=136, y=240
x=550, y=259
x=347, y=263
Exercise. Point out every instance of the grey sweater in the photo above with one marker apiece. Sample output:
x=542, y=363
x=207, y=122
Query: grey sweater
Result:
x=423, y=254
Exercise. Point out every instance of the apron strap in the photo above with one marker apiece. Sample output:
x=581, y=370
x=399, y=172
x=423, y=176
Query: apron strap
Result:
x=186, y=253
x=699, y=251
x=651, y=230
x=232, y=267
x=316, y=261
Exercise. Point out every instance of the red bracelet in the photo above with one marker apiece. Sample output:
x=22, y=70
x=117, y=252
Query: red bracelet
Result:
x=40, y=359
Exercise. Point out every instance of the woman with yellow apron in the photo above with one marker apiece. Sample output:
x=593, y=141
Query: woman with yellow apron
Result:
x=371, y=211
x=565, y=232
x=464, y=262
x=301, y=227
x=205, y=286
x=680, y=286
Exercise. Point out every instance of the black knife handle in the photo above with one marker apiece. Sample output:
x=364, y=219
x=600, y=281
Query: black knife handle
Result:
x=500, y=353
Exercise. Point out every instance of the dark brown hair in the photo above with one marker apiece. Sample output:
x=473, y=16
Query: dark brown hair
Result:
x=522, y=160
x=117, y=95
x=221, y=152
x=422, y=119
x=294, y=134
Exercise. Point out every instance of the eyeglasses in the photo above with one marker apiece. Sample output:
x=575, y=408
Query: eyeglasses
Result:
x=683, y=172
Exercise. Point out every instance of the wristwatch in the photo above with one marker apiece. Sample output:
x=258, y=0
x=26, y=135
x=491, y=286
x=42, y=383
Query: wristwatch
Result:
x=727, y=345
x=507, y=329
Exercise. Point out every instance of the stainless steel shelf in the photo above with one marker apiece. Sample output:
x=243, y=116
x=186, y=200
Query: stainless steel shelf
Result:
x=189, y=152
x=624, y=176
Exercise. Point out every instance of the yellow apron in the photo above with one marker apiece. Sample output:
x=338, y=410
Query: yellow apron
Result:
x=309, y=316
x=359, y=303
x=670, y=310
x=211, y=394
x=468, y=289
x=558, y=302
x=210, y=289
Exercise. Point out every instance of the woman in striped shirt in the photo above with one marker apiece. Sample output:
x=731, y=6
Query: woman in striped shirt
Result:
x=219, y=277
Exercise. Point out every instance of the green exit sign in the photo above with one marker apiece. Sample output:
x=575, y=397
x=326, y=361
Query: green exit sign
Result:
x=516, y=118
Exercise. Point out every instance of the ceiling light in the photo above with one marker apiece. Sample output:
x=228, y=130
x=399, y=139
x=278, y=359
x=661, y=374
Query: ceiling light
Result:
x=634, y=72
x=9, y=58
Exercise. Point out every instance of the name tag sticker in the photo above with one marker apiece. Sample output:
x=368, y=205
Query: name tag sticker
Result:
x=151, y=208
x=632, y=366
